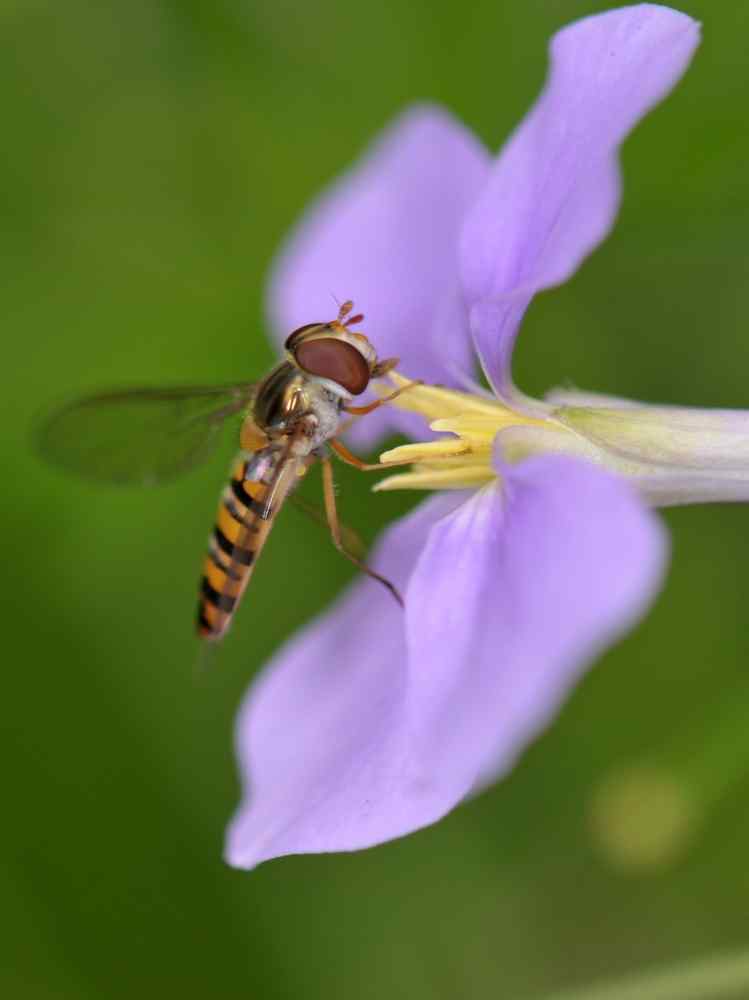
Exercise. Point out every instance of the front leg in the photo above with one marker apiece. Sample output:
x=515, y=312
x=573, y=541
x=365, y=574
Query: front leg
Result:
x=360, y=411
x=350, y=459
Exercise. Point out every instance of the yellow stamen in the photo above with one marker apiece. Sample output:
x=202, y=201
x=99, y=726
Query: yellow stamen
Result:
x=426, y=452
x=462, y=461
x=426, y=477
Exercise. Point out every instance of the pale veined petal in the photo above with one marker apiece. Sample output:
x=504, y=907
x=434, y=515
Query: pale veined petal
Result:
x=513, y=597
x=321, y=739
x=554, y=191
x=386, y=236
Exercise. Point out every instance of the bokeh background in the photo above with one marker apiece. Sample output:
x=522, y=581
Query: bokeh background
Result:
x=154, y=154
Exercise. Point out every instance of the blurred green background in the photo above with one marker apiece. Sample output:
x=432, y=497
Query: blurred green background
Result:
x=154, y=154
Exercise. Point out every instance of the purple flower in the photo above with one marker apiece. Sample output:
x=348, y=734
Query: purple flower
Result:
x=540, y=548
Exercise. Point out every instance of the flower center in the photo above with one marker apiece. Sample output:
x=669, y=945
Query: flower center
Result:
x=463, y=460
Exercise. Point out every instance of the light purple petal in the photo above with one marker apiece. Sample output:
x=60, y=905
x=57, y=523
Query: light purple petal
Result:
x=672, y=454
x=343, y=745
x=566, y=396
x=386, y=236
x=321, y=742
x=554, y=191
x=514, y=595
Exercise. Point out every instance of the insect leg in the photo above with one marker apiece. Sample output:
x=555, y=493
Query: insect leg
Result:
x=351, y=459
x=349, y=537
x=335, y=530
x=360, y=411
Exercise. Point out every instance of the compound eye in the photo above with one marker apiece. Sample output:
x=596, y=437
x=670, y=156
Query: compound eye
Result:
x=335, y=360
x=299, y=332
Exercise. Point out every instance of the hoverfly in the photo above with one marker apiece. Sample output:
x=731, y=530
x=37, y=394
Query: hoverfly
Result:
x=290, y=421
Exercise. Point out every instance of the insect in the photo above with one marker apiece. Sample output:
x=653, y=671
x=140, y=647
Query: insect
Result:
x=291, y=420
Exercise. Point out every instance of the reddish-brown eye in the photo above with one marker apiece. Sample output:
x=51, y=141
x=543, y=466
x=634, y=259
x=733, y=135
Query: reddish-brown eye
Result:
x=335, y=360
x=293, y=337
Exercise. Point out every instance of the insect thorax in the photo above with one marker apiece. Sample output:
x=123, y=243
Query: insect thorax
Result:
x=289, y=398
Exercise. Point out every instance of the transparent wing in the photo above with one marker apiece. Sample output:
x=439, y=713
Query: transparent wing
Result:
x=351, y=539
x=139, y=436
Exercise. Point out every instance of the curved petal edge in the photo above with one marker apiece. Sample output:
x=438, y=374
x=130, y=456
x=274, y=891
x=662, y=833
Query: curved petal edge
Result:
x=513, y=597
x=554, y=191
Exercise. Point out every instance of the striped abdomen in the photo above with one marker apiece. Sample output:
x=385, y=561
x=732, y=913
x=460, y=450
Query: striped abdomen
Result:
x=248, y=506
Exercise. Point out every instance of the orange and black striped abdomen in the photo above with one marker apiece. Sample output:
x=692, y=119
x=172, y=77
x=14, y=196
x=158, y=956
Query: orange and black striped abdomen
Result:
x=245, y=517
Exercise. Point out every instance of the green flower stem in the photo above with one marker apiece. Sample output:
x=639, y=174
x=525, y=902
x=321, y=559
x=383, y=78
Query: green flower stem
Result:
x=706, y=979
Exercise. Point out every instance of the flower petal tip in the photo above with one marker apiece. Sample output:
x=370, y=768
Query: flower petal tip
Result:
x=554, y=191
